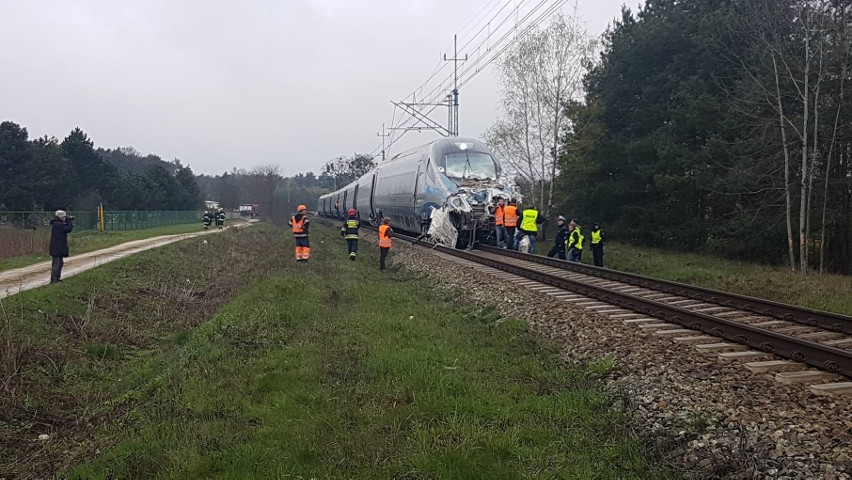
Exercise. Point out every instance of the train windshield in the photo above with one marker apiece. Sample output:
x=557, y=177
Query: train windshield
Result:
x=471, y=166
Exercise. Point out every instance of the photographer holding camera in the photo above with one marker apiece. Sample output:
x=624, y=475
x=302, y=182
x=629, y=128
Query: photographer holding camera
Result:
x=61, y=226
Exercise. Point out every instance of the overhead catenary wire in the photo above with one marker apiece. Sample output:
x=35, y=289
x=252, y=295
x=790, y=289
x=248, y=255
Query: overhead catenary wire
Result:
x=487, y=50
x=436, y=93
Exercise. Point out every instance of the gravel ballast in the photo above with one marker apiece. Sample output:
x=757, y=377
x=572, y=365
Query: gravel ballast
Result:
x=705, y=417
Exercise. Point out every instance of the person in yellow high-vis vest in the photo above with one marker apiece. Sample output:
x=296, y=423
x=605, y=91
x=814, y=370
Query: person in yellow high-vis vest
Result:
x=597, y=245
x=385, y=242
x=530, y=219
x=574, y=244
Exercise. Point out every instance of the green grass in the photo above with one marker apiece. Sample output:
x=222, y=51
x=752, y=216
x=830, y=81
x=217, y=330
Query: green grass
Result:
x=76, y=356
x=824, y=292
x=334, y=370
x=86, y=241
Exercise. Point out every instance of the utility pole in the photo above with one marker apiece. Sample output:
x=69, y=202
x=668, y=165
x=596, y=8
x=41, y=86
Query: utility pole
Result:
x=384, y=136
x=454, y=108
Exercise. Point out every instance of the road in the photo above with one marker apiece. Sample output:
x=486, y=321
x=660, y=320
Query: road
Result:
x=37, y=275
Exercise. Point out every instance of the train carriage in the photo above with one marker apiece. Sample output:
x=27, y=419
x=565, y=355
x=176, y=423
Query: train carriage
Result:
x=442, y=190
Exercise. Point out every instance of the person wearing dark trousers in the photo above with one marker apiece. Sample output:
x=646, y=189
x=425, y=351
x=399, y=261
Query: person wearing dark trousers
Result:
x=60, y=227
x=575, y=242
x=220, y=219
x=530, y=219
x=500, y=223
x=597, y=245
x=510, y=222
x=349, y=231
x=385, y=234
x=559, y=244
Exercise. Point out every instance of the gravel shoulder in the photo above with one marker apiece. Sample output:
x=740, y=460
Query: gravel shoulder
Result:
x=706, y=418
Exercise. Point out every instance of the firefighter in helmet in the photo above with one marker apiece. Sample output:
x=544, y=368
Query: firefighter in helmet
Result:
x=300, y=223
x=220, y=219
x=349, y=231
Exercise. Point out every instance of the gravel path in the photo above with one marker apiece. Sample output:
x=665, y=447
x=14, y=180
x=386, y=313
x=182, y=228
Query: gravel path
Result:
x=708, y=419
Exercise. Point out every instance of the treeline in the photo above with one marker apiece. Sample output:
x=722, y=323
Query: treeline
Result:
x=265, y=185
x=46, y=174
x=720, y=126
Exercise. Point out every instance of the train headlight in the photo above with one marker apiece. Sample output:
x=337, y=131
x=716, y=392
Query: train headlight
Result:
x=463, y=146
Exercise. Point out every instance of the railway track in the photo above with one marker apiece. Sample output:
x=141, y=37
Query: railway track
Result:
x=801, y=335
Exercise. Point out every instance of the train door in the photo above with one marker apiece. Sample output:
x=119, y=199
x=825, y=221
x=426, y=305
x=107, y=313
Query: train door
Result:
x=355, y=198
x=344, y=207
x=416, y=185
x=373, y=196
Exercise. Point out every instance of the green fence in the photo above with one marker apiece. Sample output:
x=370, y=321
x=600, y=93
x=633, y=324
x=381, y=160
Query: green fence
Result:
x=112, y=220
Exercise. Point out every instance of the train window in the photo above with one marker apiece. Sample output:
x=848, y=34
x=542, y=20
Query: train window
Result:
x=471, y=165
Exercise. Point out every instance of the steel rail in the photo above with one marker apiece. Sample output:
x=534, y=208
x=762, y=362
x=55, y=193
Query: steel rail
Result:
x=824, y=357
x=806, y=316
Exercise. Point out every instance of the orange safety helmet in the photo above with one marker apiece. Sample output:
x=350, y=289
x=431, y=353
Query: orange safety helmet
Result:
x=301, y=208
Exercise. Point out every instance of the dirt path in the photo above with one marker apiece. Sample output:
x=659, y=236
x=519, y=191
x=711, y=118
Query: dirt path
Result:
x=33, y=276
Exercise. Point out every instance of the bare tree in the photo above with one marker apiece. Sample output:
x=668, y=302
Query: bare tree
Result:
x=540, y=74
x=791, y=42
x=844, y=43
x=264, y=181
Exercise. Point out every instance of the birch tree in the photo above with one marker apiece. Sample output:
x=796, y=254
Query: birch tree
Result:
x=791, y=37
x=540, y=75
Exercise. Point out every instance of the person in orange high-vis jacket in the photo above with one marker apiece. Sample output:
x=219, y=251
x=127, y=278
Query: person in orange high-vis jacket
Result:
x=385, y=234
x=300, y=224
x=500, y=222
x=510, y=220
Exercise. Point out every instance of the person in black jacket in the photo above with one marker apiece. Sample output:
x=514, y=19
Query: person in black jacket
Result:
x=61, y=226
x=349, y=231
x=558, y=248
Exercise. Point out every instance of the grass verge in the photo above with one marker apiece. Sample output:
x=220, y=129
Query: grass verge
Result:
x=86, y=241
x=332, y=369
x=76, y=357
x=823, y=292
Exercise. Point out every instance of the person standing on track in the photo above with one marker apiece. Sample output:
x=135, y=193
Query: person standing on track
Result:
x=300, y=223
x=510, y=221
x=597, y=245
x=60, y=227
x=349, y=231
x=558, y=248
x=385, y=234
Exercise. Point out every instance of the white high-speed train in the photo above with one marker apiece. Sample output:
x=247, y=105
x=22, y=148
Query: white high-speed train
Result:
x=442, y=190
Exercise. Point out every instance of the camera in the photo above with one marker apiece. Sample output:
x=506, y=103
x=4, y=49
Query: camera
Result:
x=70, y=217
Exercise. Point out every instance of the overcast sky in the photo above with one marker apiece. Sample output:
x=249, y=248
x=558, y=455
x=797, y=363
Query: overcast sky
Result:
x=222, y=84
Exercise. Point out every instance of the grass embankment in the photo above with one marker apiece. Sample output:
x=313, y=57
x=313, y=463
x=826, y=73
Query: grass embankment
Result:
x=332, y=369
x=83, y=241
x=824, y=292
x=75, y=357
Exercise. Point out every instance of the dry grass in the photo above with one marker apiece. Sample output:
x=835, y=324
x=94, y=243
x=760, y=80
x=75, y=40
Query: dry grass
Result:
x=17, y=242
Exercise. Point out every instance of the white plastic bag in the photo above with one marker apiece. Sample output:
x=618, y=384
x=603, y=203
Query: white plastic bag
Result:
x=524, y=245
